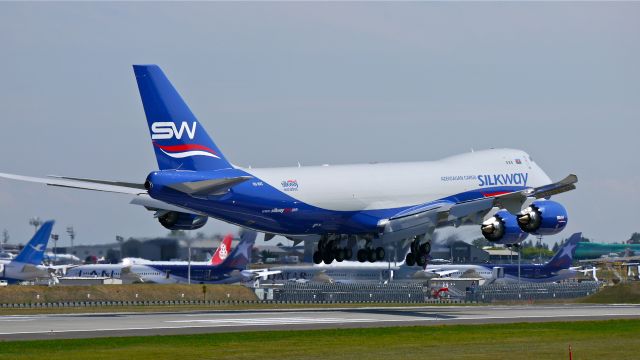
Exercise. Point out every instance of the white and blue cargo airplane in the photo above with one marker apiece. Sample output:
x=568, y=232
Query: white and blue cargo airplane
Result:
x=341, y=208
x=27, y=266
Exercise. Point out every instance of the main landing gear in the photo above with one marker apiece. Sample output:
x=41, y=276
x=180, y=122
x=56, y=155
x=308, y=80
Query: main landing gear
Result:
x=419, y=253
x=370, y=254
x=329, y=250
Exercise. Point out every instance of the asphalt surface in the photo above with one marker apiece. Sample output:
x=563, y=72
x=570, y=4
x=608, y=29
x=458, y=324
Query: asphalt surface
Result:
x=62, y=326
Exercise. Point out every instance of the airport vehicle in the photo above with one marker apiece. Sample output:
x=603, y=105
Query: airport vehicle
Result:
x=27, y=265
x=232, y=269
x=346, y=210
x=556, y=269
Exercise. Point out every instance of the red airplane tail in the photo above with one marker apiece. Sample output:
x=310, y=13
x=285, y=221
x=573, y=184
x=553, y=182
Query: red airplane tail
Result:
x=223, y=250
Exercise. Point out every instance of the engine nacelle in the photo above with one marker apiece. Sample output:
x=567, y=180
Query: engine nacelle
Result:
x=174, y=220
x=503, y=228
x=543, y=217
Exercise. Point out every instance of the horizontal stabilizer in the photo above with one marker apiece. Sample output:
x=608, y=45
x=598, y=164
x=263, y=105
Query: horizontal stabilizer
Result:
x=105, y=182
x=208, y=187
x=86, y=184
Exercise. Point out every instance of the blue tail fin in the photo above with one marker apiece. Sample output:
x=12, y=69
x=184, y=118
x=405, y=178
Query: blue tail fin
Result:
x=33, y=252
x=564, y=257
x=179, y=141
x=240, y=257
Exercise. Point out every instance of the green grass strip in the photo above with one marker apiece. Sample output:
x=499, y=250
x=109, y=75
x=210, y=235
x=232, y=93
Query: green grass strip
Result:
x=611, y=339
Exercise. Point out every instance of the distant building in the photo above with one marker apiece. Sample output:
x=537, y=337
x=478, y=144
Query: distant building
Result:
x=461, y=252
x=502, y=256
x=89, y=251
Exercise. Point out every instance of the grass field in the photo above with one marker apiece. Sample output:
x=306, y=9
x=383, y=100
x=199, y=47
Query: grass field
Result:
x=613, y=339
x=627, y=293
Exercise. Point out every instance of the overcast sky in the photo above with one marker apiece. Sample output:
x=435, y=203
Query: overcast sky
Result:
x=278, y=83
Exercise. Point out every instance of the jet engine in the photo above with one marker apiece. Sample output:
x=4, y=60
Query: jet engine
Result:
x=174, y=220
x=543, y=217
x=502, y=228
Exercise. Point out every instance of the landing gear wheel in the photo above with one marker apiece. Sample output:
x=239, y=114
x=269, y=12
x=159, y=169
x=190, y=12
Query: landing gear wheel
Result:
x=379, y=253
x=362, y=255
x=421, y=260
x=425, y=248
x=317, y=257
x=349, y=254
x=371, y=256
x=410, y=260
x=340, y=255
x=330, y=246
x=327, y=257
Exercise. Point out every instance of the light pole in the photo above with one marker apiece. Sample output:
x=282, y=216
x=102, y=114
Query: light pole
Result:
x=519, y=251
x=35, y=222
x=55, y=247
x=189, y=262
x=72, y=235
x=120, y=241
x=5, y=239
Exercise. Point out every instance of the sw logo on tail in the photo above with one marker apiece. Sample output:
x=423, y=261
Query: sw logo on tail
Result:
x=168, y=130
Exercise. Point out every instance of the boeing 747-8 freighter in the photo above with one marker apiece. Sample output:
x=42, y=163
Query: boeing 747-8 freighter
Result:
x=345, y=210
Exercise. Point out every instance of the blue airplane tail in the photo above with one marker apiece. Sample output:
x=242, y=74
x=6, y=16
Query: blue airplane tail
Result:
x=240, y=257
x=33, y=252
x=179, y=140
x=564, y=257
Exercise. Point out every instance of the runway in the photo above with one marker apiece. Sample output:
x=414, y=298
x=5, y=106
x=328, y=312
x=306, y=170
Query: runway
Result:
x=23, y=327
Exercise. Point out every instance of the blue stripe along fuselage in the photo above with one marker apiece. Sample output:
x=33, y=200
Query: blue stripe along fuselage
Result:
x=267, y=209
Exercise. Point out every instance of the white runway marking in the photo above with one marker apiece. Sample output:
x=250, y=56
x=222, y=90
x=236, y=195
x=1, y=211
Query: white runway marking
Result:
x=272, y=321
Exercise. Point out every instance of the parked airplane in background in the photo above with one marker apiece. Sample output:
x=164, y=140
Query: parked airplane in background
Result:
x=27, y=266
x=556, y=269
x=221, y=253
x=232, y=269
x=345, y=209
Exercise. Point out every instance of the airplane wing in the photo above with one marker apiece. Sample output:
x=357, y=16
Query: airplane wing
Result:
x=60, y=269
x=259, y=273
x=441, y=272
x=418, y=219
